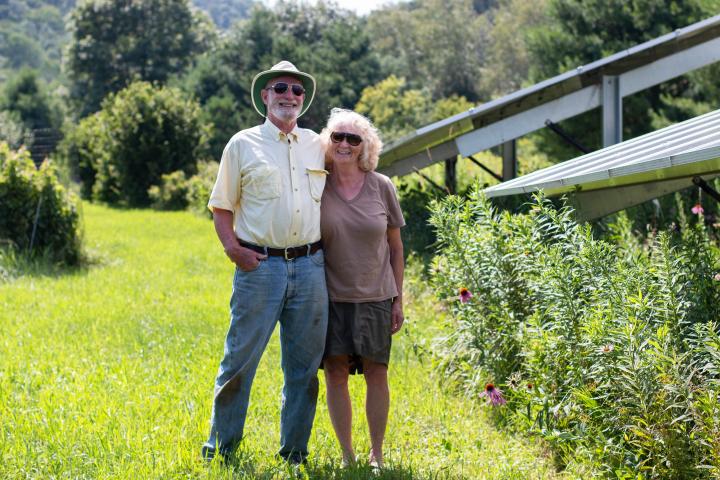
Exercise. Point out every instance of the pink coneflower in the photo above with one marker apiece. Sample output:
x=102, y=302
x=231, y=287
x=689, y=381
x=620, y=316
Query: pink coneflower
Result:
x=494, y=395
x=717, y=277
x=697, y=209
x=465, y=295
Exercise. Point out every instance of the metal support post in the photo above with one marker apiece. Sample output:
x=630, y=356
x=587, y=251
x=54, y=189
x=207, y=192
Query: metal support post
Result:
x=611, y=110
x=509, y=153
x=451, y=175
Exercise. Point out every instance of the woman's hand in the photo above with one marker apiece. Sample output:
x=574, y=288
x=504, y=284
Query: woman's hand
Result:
x=397, y=318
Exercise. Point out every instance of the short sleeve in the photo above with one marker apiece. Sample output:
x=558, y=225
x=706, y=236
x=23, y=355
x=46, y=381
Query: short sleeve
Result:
x=226, y=191
x=392, y=204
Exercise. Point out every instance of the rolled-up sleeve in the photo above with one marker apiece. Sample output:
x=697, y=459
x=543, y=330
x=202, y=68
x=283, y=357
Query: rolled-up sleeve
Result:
x=226, y=191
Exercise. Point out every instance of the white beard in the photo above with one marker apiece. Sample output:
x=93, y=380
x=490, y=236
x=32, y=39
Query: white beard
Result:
x=285, y=114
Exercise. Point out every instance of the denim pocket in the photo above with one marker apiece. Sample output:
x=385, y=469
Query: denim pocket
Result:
x=318, y=258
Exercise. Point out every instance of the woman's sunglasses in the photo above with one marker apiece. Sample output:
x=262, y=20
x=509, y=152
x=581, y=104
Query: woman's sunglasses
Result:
x=282, y=87
x=351, y=138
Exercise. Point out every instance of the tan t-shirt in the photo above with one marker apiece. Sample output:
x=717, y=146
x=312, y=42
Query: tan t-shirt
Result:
x=354, y=235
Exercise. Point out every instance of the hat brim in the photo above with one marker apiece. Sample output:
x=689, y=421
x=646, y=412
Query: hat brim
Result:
x=262, y=78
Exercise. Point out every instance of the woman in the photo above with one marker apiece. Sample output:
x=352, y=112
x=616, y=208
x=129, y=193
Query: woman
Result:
x=360, y=225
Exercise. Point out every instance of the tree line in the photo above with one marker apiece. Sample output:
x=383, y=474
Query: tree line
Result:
x=404, y=65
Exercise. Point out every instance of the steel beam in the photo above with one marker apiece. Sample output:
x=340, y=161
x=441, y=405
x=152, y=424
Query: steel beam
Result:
x=528, y=121
x=420, y=160
x=611, y=110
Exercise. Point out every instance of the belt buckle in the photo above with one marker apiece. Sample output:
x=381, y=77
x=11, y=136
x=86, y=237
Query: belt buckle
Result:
x=287, y=259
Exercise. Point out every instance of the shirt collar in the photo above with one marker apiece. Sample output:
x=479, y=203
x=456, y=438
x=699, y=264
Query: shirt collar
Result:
x=270, y=130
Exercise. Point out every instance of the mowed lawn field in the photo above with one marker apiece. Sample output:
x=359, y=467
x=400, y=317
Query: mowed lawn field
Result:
x=107, y=372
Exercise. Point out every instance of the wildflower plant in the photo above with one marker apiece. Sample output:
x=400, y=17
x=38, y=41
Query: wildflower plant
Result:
x=608, y=347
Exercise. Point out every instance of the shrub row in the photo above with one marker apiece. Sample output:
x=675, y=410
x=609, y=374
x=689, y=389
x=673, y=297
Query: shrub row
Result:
x=609, y=350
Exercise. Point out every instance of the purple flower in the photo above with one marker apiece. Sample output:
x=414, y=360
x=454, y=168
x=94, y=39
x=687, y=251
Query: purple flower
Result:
x=465, y=295
x=697, y=209
x=494, y=395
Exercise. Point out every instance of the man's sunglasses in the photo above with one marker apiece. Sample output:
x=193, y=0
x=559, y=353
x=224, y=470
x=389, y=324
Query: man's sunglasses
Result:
x=282, y=87
x=351, y=138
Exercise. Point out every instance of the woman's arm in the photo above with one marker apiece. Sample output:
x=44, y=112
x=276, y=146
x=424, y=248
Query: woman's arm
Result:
x=397, y=262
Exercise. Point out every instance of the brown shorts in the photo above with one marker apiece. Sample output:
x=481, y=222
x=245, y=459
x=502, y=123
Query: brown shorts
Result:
x=359, y=330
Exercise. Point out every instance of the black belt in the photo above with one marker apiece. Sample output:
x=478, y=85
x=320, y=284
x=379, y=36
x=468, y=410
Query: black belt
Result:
x=289, y=253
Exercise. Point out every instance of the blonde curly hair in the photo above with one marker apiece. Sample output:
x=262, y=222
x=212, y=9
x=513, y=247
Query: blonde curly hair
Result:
x=371, y=144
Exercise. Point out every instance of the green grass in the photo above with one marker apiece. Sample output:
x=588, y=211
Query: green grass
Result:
x=107, y=372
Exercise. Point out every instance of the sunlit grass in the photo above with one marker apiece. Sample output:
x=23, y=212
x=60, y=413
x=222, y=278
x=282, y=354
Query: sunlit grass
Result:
x=107, y=372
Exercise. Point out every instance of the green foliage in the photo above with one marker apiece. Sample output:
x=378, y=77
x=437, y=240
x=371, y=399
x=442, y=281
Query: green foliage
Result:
x=32, y=35
x=22, y=187
x=25, y=97
x=432, y=44
x=397, y=110
x=506, y=61
x=140, y=134
x=115, y=43
x=326, y=41
x=225, y=12
x=418, y=235
x=199, y=187
x=12, y=131
x=177, y=192
x=608, y=351
x=172, y=192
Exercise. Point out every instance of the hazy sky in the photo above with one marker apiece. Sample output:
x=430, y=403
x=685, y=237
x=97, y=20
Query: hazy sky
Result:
x=360, y=7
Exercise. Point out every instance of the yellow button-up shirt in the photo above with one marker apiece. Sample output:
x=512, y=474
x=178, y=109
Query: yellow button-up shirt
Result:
x=272, y=183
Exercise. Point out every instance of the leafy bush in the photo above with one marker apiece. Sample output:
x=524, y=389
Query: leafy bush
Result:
x=141, y=133
x=200, y=185
x=609, y=351
x=176, y=192
x=172, y=192
x=21, y=188
x=82, y=150
x=418, y=234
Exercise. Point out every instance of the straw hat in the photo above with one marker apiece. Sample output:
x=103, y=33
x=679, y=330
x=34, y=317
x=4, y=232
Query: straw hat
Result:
x=279, y=70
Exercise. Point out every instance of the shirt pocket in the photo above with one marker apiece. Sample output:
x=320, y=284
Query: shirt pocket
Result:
x=263, y=183
x=316, y=177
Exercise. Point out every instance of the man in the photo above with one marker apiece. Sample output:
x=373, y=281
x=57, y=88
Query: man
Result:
x=266, y=209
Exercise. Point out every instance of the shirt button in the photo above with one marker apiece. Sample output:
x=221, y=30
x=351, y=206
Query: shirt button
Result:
x=296, y=189
x=294, y=233
x=298, y=211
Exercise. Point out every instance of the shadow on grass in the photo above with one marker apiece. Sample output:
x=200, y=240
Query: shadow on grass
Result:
x=16, y=264
x=245, y=467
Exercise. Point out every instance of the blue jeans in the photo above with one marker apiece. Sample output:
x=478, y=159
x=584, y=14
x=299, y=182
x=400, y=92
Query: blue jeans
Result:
x=293, y=293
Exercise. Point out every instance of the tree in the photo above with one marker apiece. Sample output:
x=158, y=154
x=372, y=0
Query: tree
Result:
x=116, y=42
x=583, y=31
x=431, y=43
x=225, y=12
x=397, y=110
x=326, y=41
x=141, y=133
x=506, y=63
x=25, y=97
